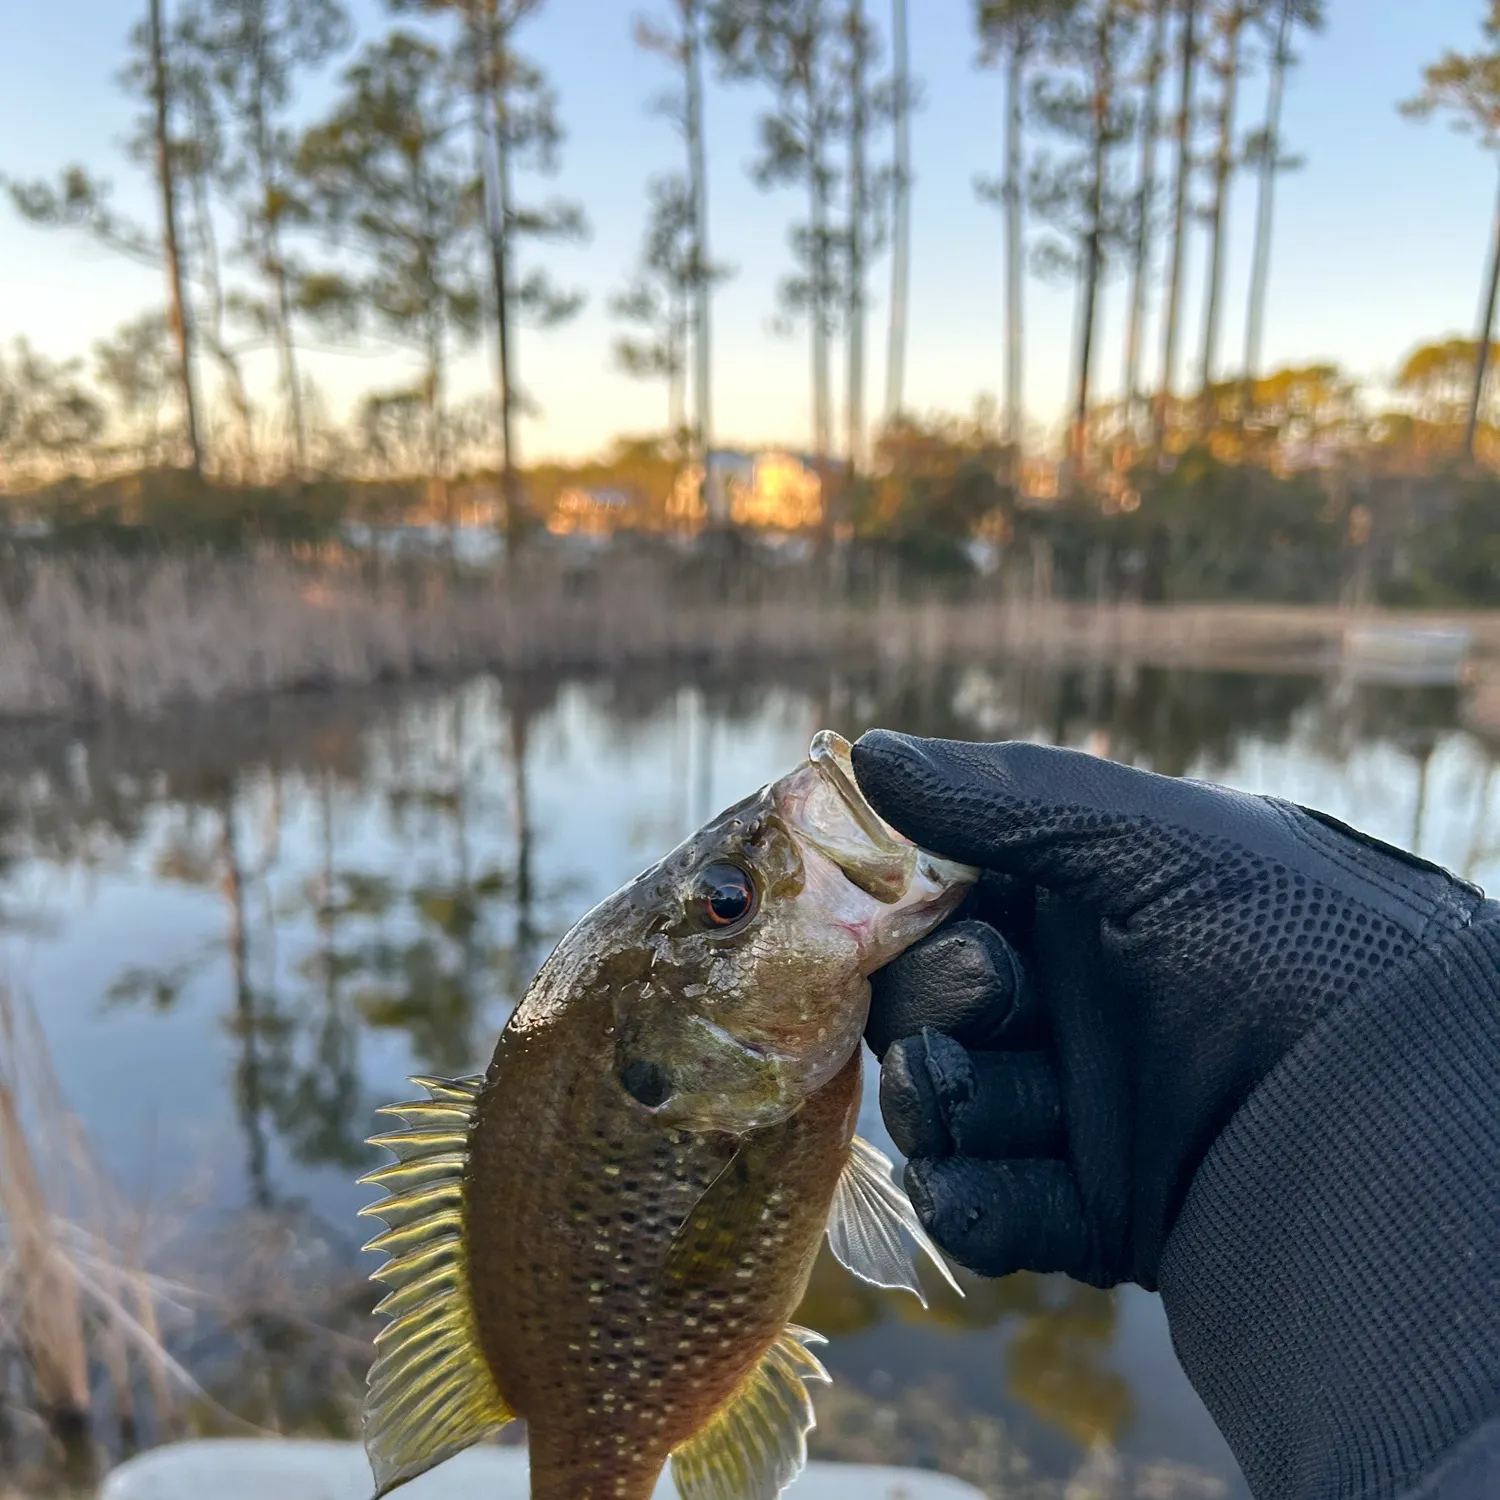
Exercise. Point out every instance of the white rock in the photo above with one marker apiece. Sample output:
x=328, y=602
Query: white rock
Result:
x=250, y=1469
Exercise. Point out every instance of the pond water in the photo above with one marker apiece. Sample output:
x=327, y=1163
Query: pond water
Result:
x=243, y=929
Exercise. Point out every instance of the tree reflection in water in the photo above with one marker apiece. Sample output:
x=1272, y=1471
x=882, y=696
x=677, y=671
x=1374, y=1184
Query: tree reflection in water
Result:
x=1056, y=1336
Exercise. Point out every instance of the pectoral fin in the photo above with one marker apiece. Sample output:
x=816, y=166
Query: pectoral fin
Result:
x=757, y=1444
x=430, y=1391
x=867, y=1220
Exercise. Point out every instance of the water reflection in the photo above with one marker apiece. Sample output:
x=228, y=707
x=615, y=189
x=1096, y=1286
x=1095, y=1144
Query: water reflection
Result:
x=244, y=929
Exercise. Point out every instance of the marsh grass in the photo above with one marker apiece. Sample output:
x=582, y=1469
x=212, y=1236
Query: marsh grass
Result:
x=86, y=1370
x=94, y=633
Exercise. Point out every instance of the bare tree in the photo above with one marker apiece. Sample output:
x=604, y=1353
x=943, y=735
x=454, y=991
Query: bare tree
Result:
x=1013, y=35
x=901, y=182
x=1079, y=194
x=198, y=148
x=137, y=367
x=868, y=189
x=1264, y=149
x=1467, y=85
x=1145, y=203
x=791, y=47
x=80, y=201
x=683, y=47
x=1187, y=58
x=516, y=126
x=177, y=306
x=384, y=179
x=1229, y=21
x=251, y=53
x=658, y=297
x=48, y=420
x=857, y=43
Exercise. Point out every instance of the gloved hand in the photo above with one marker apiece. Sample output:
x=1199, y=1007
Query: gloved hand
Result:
x=1140, y=953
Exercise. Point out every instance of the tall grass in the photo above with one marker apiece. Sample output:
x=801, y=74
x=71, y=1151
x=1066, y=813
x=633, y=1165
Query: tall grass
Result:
x=96, y=632
x=84, y=1364
x=102, y=1354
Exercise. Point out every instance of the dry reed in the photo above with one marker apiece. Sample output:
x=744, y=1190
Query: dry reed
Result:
x=96, y=634
x=84, y=1362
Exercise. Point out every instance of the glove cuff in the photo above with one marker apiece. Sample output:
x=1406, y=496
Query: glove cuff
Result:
x=1333, y=1280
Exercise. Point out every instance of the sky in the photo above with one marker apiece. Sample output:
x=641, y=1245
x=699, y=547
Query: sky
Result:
x=1380, y=239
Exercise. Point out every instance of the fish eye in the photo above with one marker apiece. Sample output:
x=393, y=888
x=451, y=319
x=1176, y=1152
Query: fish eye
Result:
x=723, y=896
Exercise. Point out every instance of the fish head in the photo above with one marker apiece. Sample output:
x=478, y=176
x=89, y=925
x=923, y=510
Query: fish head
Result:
x=749, y=988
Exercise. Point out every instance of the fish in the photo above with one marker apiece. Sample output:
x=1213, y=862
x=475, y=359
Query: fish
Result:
x=608, y=1232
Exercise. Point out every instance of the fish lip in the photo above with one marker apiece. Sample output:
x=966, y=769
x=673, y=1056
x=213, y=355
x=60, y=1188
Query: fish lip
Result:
x=830, y=755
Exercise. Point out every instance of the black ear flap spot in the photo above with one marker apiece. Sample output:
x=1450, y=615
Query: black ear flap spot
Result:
x=646, y=1083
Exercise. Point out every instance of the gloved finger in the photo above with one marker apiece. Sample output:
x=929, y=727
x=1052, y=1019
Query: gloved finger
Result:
x=1090, y=828
x=938, y=1099
x=964, y=979
x=1005, y=902
x=996, y=1217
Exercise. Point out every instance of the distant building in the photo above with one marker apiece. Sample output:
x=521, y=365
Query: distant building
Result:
x=1040, y=478
x=769, y=491
x=592, y=512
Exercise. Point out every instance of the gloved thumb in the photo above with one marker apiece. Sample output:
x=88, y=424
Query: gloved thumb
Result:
x=1090, y=829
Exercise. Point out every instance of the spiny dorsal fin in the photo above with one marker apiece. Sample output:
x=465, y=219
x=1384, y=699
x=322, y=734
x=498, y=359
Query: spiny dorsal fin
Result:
x=866, y=1222
x=757, y=1444
x=430, y=1391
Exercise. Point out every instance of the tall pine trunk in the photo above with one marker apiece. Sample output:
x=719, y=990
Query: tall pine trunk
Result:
x=437, y=434
x=274, y=269
x=434, y=384
x=177, y=302
x=505, y=332
x=489, y=105
x=290, y=378
x=1218, y=205
x=677, y=362
x=821, y=287
x=1260, y=261
x=1140, y=253
x=854, y=312
x=1093, y=263
x=714, y=494
x=1173, y=310
x=1015, y=253
x=1486, y=334
x=895, y=362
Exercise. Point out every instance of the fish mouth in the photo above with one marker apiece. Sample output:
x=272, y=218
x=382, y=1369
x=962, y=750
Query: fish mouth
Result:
x=872, y=854
x=832, y=754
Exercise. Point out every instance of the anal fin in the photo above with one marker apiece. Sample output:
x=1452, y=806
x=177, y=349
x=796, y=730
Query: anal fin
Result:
x=756, y=1445
x=430, y=1392
x=867, y=1221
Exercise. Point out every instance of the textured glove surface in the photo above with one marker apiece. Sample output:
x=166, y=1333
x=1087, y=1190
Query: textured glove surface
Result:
x=1140, y=953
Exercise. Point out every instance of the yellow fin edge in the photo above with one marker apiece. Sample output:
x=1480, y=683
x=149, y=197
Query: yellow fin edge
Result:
x=430, y=1395
x=756, y=1445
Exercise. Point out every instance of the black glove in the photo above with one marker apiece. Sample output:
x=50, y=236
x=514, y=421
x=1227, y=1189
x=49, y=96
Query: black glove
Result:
x=1141, y=952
